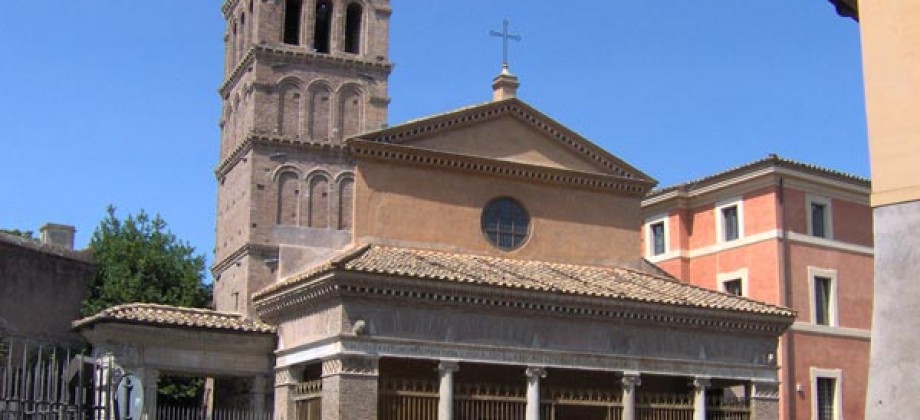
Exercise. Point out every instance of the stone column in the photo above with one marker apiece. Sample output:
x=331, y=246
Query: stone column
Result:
x=103, y=388
x=257, y=398
x=446, y=390
x=149, y=379
x=630, y=381
x=534, y=374
x=764, y=400
x=350, y=387
x=700, y=383
x=286, y=378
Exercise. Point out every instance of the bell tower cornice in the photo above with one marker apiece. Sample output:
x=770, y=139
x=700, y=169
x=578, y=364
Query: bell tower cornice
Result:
x=282, y=55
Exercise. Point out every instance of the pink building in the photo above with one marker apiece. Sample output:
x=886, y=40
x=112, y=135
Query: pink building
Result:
x=791, y=234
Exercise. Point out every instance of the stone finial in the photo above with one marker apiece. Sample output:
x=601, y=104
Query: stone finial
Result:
x=505, y=85
x=57, y=235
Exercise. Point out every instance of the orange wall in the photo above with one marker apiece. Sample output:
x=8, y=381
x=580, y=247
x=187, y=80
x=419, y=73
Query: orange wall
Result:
x=854, y=283
x=852, y=222
x=760, y=259
x=422, y=207
x=849, y=355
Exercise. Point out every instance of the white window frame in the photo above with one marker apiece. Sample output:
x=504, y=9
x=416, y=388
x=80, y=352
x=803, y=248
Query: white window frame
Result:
x=649, y=238
x=828, y=215
x=741, y=274
x=720, y=222
x=837, y=376
x=832, y=320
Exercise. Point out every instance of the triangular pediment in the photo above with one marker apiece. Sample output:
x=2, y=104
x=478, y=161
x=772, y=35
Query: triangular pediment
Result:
x=509, y=131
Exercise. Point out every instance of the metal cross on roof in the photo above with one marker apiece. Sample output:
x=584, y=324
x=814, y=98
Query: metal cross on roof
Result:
x=505, y=37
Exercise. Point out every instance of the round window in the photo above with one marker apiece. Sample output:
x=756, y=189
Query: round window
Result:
x=505, y=223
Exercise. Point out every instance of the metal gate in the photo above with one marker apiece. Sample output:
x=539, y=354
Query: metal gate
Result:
x=46, y=381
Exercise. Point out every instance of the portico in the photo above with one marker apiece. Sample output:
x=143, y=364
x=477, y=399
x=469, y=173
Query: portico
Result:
x=391, y=336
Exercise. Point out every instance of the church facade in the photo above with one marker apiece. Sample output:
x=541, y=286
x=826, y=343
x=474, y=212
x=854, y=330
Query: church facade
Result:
x=480, y=263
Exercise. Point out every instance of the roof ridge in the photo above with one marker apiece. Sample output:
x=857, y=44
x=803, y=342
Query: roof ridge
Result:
x=773, y=158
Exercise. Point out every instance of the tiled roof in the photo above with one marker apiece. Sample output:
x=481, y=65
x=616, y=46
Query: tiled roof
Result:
x=610, y=282
x=175, y=316
x=770, y=160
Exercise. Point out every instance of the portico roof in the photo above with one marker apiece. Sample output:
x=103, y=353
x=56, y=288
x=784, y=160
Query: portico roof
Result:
x=175, y=316
x=611, y=282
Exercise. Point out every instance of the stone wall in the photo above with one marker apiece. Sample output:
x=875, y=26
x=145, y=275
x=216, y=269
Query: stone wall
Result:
x=41, y=288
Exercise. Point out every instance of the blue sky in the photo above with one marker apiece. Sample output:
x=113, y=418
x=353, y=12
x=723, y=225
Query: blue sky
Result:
x=114, y=102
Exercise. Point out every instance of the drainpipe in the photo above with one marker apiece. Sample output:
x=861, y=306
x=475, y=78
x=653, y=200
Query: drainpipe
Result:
x=786, y=286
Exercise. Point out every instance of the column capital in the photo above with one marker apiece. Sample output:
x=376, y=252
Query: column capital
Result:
x=535, y=372
x=351, y=364
x=285, y=376
x=765, y=390
x=630, y=380
x=701, y=382
x=448, y=366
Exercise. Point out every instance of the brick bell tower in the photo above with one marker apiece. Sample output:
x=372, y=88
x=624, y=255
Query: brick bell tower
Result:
x=300, y=77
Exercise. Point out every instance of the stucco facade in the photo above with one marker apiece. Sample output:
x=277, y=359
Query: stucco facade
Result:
x=891, y=71
x=777, y=255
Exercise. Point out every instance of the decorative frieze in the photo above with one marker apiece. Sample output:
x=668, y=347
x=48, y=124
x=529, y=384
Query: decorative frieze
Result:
x=765, y=390
x=351, y=364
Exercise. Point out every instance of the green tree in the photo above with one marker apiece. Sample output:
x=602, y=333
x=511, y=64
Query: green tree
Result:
x=139, y=260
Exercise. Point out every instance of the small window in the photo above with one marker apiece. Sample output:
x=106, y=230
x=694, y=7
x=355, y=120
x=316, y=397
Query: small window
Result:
x=825, y=393
x=819, y=217
x=292, y=16
x=822, y=300
x=323, y=26
x=729, y=221
x=657, y=233
x=823, y=284
x=734, y=283
x=505, y=223
x=353, y=28
x=733, y=287
x=657, y=244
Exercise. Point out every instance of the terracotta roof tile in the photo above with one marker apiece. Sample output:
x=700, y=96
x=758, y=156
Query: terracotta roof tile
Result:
x=175, y=316
x=587, y=280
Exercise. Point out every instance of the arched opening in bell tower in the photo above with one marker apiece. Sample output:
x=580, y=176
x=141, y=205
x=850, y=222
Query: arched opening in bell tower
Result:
x=292, y=12
x=353, y=28
x=323, y=26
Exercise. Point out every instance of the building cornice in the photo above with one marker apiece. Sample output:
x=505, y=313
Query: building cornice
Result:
x=298, y=55
x=336, y=283
x=242, y=251
x=770, y=165
x=254, y=139
x=244, y=65
x=228, y=6
x=756, y=179
x=363, y=149
x=404, y=133
x=836, y=332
